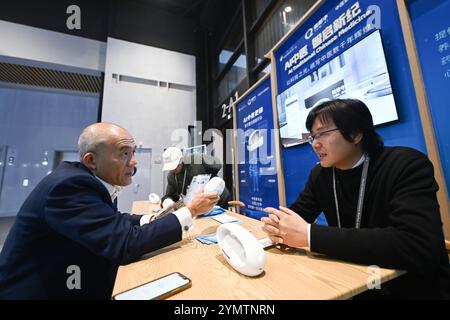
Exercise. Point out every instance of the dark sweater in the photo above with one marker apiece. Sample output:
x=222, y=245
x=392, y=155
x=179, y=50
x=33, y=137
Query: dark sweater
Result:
x=195, y=164
x=400, y=226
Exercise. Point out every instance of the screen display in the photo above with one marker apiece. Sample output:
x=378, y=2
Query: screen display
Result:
x=155, y=288
x=358, y=73
x=197, y=149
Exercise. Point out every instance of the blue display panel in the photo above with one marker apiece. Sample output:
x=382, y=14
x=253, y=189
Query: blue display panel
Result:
x=348, y=75
x=431, y=26
x=256, y=153
x=407, y=131
x=329, y=36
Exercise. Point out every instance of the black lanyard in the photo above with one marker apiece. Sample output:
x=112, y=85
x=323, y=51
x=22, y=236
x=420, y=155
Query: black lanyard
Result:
x=184, y=181
x=362, y=188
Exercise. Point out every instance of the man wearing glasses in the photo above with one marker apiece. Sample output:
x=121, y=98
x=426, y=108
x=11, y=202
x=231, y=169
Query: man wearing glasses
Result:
x=380, y=204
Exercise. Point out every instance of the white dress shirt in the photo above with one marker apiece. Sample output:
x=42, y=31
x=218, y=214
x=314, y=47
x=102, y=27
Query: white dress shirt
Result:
x=183, y=215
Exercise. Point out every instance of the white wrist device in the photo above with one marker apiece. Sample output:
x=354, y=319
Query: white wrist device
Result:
x=153, y=198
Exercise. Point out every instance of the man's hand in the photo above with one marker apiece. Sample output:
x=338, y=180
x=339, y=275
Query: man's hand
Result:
x=202, y=202
x=286, y=227
x=271, y=226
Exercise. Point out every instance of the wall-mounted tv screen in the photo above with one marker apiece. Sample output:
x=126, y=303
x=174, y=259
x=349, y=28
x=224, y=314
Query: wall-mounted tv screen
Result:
x=360, y=72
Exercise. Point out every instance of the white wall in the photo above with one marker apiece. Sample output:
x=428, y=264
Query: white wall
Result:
x=43, y=46
x=150, y=113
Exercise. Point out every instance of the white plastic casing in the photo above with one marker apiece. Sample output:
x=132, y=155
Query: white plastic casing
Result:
x=167, y=202
x=216, y=185
x=241, y=249
x=154, y=198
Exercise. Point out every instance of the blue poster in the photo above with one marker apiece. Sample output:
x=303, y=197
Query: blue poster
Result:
x=348, y=22
x=256, y=154
x=320, y=76
x=431, y=25
x=329, y=61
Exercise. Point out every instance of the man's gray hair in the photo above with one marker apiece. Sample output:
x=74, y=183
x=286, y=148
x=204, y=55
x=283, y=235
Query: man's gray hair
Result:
x=93, y=136
x=87, y=141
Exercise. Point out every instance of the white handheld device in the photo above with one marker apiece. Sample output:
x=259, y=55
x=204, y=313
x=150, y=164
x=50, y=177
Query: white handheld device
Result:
x=216, y=185
x=154, y=198
x=241, y=249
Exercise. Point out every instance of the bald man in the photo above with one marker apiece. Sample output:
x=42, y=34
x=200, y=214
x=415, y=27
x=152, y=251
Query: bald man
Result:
x=68, y=239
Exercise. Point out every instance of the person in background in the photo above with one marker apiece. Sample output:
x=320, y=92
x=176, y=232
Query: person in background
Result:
x=182, y=169
x=380, y=203
x=68, y=239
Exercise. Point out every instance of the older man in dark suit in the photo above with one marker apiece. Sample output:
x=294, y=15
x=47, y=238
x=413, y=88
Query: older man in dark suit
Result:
x=68, y=239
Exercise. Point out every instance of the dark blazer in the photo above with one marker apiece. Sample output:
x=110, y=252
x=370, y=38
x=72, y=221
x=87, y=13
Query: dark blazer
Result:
x=69, y=220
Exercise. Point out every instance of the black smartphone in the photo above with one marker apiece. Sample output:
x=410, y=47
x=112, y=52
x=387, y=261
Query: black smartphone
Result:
x=157, y=289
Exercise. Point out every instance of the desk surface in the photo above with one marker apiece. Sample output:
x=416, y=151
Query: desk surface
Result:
x=290, y=274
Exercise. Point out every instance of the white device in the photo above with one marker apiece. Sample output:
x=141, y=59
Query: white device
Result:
x=216, y=185
x=255, y=140
x=167, y=203
x=154, y=198
x=157, y=289
x=241, y=249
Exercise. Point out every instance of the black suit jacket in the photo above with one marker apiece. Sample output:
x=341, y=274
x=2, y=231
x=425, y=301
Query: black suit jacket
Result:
x=68, y=223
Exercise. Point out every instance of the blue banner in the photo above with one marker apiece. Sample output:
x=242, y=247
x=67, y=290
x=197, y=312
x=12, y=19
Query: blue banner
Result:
x=431, y=26
x=339, y=55
x=257, y=174
x=299, y=160
x=332, y=34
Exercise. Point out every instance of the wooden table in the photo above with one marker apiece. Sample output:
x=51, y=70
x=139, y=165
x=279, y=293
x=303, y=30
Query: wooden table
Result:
x=288, y=275
x=143, y=207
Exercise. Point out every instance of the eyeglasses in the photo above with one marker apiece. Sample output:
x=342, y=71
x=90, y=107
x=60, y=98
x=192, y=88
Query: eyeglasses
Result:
x=318, y=135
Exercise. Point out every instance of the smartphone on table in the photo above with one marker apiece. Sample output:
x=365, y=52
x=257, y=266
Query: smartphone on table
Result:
x=157, y=289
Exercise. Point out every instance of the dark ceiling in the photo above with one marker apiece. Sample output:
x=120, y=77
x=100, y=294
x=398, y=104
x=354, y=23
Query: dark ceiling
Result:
x=210, y=14
x=169, y=24
x=183, y=8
